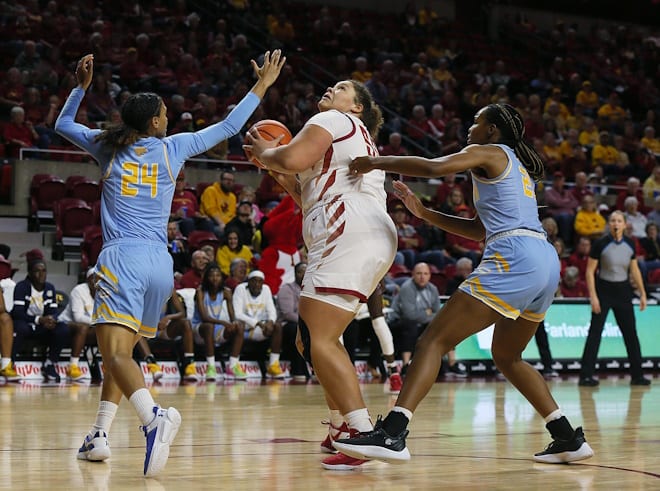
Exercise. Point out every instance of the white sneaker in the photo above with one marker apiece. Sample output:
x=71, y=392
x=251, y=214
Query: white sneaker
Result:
x=95, y=448
x=160, y=433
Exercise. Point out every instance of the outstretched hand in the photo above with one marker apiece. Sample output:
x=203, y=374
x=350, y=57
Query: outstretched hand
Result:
x=85, y=71
x=412, y=202
x=361, y=165
x=269, y=71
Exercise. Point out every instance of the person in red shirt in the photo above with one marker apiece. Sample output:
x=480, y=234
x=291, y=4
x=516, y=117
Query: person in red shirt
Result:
x=185, y=209
x=581, y=188
x=19, y=133
x=633, y=188
x=460, y=246
x=193, y=277
x=580, y=256
x=571, y=286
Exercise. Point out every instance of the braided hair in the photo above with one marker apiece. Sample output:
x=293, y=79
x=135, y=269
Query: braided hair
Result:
x=136, y=113
x=512, y=131
x=372, y=117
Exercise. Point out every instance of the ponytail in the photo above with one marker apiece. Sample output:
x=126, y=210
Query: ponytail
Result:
x=372, y=117
x=136, y=114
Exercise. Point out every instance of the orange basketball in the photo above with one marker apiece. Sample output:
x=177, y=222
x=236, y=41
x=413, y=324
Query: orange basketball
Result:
x=270, y=129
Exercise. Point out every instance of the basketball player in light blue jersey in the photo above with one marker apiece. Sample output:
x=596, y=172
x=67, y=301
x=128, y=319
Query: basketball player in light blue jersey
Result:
x=134, y=271
x=512, y=287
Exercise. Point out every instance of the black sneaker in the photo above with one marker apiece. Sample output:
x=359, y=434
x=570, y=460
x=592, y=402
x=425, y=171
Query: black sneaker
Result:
x=640, y=381
x=376, y=444
x=588, y=382
x=50, y=373
x=564, y=451
x=457, y=371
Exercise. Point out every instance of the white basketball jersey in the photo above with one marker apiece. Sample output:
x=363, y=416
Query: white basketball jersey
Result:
x=329, y=178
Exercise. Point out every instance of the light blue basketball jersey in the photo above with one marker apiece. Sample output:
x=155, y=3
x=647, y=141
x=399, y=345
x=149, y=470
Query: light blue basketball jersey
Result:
x=138, y=180
x=507, y=201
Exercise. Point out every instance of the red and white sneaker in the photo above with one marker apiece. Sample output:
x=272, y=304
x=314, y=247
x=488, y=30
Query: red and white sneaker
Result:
x=341, y=462
x=395, y=383
x=334, y=433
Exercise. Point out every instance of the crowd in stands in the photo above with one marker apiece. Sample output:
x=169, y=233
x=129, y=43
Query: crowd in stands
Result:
x=590, y=101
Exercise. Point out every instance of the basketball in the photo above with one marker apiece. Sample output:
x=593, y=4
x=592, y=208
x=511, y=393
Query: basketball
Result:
x=269, y=129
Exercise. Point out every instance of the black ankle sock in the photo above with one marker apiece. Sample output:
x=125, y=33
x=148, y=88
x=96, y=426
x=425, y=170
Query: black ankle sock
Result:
x=150, y=359
x=560, y=429
x=395, y=423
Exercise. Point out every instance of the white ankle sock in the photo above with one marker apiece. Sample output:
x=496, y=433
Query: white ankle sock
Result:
x=556, y=414
x=143, y=404
x=4, y=363
x=274, y=358
x=74, y=360
x=233, y=361
x=210, y=360
x=359, y=420
x=104, y=417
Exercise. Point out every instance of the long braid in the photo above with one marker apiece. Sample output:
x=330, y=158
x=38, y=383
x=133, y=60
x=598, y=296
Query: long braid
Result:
x=136, y=114
x=512, y=129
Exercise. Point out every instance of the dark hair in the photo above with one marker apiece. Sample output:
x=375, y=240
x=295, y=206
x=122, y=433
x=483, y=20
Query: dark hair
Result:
x=372, y=117
x=136, y=113
x=512, y=131
x=206, y=285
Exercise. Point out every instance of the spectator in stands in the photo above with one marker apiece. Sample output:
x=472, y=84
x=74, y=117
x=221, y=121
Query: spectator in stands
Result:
x=551, y=228
x=580, y=256
x=551, y=152
x=177, y=247
x=409, y=241
x=238, y=271
x=7, y=368
x=654, y=215
x=78, y=316
x=651, y=246
x=249, y=195
x=269, y=190
x=99, y=100
x=218, y=202
x=611, y=115
x=588, y=98
x=561, y=205
x=255, y=308
x=394, y=146
x=288, y=298
x=413, y=308
x=19, y=133
x=651, y=188
x=581, y=188
x=418, y=127
x=589, y=136
x=193, y=277
x=606, y=155
x=573, y=158
x=174, y=324
x=242, y=224
x=185, y=209
x=633, y=189
x=214, y=323
x=571, y=285
x=634, y=217
x=11, y=91
x=588, y=220
x=460, y=246
x=232, y=248
x=650, y=142
x=35, y=315
x=463, y=269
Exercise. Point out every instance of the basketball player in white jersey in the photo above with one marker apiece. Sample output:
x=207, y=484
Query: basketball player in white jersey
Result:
x=349, y=235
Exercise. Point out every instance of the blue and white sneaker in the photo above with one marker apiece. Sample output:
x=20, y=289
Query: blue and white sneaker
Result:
x=160, y=433
x=95, y=448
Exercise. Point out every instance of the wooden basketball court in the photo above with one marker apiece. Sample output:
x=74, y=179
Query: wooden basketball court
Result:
x=477, y=433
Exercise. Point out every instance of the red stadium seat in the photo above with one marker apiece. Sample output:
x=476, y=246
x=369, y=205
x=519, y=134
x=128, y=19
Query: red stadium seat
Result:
x=90, y=247
x=45, y=189
x=200, y=238
x=201, y=186
x=96, y=212
x=72, y=215
x=86, y=190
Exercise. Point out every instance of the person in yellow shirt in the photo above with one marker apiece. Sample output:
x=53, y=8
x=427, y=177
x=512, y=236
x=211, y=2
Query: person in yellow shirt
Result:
x=555, y=96
x=589, y=136
x=605, y=154
x=650, y=142
x=232, y=249
x=651, y=186
x=572, y=155
x=611, y=113
x=588, y=98
x=588, y=220
x=218, y=202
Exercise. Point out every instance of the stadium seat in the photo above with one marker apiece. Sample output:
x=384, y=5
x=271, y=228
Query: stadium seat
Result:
x=87, y=190
x=201, y=186
x=72, y=215
x=45, y=189
x=90, y=247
